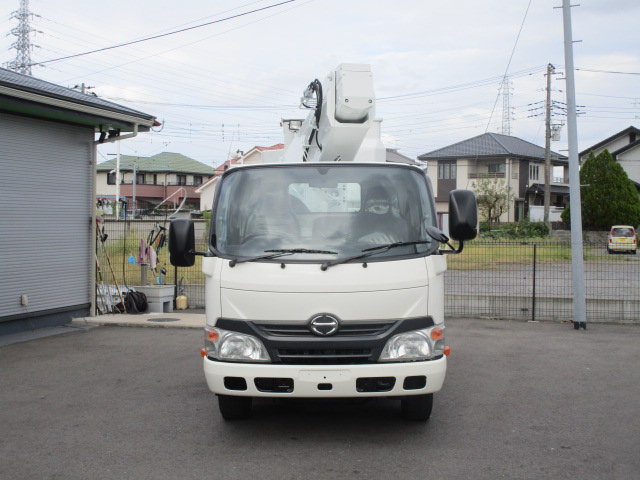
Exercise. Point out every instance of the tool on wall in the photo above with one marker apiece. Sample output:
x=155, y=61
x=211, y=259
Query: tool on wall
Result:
x=102, y=237
x=155, y=241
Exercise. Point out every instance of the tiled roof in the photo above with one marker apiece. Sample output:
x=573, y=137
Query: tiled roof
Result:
x=162, y=162
x=278, y=146
x=491, y=145
x=392, y=155
x=26, y=83
x=236, y=160
x=626, y=132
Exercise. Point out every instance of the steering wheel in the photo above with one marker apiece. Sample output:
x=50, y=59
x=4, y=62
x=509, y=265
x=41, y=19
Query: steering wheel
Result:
x=253, y=236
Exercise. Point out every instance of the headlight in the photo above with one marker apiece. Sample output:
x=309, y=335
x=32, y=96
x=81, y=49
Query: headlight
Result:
x=233, y=346
x=421, y=344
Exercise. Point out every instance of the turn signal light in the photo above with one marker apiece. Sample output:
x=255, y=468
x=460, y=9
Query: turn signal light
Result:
x=203, y=352
x=447, y=351
x=437, y=334
x=213, y=335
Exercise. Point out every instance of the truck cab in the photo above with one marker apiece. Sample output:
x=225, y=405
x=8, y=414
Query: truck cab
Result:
x=325, y=280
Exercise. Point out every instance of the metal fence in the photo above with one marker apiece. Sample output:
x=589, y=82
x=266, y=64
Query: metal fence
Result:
x=533, y=281
x=123, y=262
x=502, y=279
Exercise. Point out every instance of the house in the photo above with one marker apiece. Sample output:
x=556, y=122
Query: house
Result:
x=49, y=136
x=392, y=155
x=493, y=155
x=257, y=154
x=624, y=147
x=163, y=176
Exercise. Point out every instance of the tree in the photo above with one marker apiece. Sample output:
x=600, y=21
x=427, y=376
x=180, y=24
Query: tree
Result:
x=494, y=197
x=608, y=197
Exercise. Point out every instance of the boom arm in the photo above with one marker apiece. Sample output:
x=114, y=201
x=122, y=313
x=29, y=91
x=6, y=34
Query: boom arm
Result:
x=342, y=126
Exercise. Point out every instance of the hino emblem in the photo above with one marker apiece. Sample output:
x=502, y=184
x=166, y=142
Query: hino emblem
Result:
x=324, y=325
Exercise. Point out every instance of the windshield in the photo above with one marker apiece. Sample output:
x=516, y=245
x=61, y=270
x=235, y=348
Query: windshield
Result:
x=322, y=212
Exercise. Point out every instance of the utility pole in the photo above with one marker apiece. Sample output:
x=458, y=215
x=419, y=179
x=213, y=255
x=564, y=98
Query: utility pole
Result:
x=547, y=150
x=135, y=181
x=577, y=261
x=22, y=46
x=117, y=182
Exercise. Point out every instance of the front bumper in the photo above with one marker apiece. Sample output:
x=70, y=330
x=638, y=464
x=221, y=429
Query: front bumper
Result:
x=325, y=381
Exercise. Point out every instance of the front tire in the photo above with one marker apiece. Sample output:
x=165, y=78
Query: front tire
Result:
x=417, y=407
x=234, y=408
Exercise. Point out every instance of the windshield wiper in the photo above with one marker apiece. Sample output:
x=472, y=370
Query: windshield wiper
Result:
x=371, y=251
x=278, y=253
x=389, y=246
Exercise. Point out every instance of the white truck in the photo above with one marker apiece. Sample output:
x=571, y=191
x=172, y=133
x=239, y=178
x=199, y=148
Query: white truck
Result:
x=324, y=271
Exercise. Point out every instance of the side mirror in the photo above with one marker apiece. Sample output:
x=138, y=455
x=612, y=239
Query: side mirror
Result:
x=182, y=242
x=463, y=215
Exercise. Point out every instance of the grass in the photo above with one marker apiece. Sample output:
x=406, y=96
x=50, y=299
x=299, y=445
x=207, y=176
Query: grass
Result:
x=489, y=255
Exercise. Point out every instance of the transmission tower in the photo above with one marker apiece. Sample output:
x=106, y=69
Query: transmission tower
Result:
x=506, y=106
x=22, y=46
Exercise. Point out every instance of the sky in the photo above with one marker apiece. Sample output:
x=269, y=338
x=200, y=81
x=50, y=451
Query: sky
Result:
x=223, y=84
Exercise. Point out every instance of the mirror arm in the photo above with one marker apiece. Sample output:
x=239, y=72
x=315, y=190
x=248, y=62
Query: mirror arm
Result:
x=453, y=250
x=208, y=253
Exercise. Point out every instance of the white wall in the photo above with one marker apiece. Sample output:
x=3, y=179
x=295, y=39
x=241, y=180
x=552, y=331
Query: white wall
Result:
x=536, y=213
x=630, y=161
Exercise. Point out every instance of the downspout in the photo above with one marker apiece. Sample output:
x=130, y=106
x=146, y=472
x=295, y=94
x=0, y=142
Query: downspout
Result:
x=92, y=231
x=94, y=162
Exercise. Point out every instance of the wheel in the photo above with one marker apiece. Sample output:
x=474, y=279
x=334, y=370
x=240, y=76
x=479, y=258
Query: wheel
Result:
x=417, y=407
x=234, y=408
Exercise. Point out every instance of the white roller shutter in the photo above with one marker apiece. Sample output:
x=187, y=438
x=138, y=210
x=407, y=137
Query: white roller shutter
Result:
x=46, y=236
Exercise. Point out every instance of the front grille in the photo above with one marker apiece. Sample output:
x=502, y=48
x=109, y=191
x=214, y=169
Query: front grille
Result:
x=356, y=342
x=349, y=329
x=320, y=356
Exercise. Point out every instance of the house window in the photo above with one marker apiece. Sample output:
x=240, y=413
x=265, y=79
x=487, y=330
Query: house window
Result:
x=534, y=172
x=182, y=179
x=447, y=171
x=197, y=180
x=497, y=168
x=111, y=178
x=140, y=178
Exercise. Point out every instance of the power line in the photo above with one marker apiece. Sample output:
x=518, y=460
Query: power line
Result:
x=165, y=34
x=606, y=71
x=462, y=86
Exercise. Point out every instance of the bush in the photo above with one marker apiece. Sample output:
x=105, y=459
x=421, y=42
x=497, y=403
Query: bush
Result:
x=608, y=197
x=207, y=219
x=522, y=229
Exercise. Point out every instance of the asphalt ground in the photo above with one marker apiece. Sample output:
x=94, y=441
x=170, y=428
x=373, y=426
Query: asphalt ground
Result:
x=520, y=401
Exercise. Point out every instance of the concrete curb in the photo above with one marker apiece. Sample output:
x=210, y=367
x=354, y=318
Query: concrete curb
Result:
x=175, y=319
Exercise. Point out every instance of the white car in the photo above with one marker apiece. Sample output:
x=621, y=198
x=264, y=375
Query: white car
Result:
x=622, y=238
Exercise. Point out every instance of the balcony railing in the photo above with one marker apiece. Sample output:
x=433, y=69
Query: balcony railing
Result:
x=486, y=175
x=161, y=184
x=147, y=182
x=187, y=184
